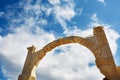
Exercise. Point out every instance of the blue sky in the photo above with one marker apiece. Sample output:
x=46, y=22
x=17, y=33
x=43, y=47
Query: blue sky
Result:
x=37, y=22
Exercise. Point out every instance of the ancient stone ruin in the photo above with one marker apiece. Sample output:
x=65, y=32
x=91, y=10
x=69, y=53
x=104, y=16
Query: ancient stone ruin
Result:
x=97, y=44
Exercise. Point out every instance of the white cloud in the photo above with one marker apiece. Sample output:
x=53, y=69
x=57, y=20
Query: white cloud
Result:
x=102, y=1
x=54, y=2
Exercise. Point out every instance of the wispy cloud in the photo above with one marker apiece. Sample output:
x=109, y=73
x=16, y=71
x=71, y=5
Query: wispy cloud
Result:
x=102, y=1
x=79, y=11
x=1, y=14
x=95, y=21
x=63, y=12
x=54, y=2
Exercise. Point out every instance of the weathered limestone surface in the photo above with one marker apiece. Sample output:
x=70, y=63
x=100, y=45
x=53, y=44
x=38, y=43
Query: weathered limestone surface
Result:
x=98, y=44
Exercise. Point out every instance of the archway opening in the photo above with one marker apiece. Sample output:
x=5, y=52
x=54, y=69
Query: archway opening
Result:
x=69, y=62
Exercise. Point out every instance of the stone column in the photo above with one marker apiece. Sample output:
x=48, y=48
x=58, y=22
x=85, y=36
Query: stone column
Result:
x=29, y=68
x=104, y=58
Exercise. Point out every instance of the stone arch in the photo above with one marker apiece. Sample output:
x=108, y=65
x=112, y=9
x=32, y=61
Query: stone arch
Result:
x=97, y=44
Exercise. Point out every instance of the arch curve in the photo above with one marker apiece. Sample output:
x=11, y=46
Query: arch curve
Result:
x=71, y=39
